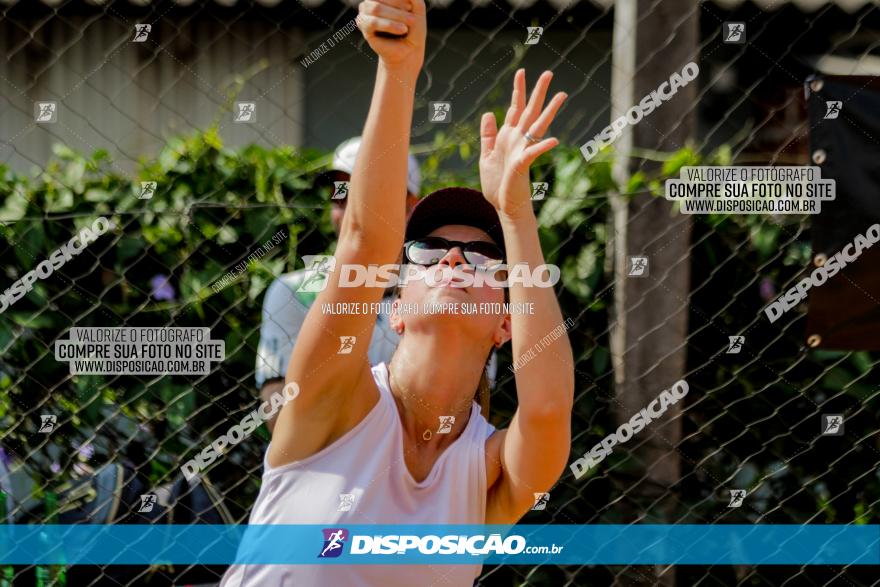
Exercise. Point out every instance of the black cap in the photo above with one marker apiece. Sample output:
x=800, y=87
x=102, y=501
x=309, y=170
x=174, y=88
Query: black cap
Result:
x=454, y=206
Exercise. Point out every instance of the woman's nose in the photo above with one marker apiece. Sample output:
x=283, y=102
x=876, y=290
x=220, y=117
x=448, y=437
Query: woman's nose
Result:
x=453, y=258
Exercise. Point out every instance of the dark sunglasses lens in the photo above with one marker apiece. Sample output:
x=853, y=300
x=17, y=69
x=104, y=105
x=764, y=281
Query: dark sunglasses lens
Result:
x=426, y=251
x=483, y=254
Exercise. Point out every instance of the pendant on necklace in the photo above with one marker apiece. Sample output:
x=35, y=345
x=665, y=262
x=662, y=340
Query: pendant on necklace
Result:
x=427, y=435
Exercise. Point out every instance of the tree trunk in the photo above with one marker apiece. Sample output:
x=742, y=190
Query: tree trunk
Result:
x=652, y=40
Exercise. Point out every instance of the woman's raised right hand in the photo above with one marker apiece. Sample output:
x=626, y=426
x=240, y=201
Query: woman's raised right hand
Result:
x=395, y=17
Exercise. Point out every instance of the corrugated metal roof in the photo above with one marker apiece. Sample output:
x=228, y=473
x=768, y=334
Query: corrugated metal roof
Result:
x=804, y=5
x=769, y=5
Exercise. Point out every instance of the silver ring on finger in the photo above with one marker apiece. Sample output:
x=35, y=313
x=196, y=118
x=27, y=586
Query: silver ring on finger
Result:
x=530, y=138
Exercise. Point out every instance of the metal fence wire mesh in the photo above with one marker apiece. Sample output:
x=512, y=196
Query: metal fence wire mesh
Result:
x=161, y=110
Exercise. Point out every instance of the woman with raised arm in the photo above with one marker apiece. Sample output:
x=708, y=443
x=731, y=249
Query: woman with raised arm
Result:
x=405, y=443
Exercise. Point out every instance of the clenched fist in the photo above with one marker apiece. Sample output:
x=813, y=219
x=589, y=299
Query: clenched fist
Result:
x=395, y=30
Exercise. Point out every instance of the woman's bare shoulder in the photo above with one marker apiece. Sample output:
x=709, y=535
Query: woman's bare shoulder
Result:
x=304, y=433
x=493, y=457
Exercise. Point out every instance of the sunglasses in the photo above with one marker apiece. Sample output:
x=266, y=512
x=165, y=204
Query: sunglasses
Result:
x=430, y=249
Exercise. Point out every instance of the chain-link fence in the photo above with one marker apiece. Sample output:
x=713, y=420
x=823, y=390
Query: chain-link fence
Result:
x=234, y=206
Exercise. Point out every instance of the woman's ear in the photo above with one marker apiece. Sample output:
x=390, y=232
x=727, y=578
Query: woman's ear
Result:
x=395, y=319
x=504, y=332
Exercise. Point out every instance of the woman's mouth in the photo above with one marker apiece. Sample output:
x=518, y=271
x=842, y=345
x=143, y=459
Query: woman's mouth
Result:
x=448, y=279
x=451, y=283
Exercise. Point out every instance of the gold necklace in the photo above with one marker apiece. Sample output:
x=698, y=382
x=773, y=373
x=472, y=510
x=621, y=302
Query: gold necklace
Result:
x=427, y=434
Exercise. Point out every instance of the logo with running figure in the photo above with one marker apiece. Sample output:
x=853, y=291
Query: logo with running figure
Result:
x=832, y=424
x=446, y=423
x=541, y=500
x=346, y=502
x=47, y=423
x=539, y=189
x=141, y=32
x=316, y=270
x=735, y=344
x=534, y=34
x=440, y=111
x=638, y=267
x=340, y=190
x=334, y=542
x=734, y=32
x=346, y=345
x=736, y=497
x=832, y=109
x=45, y=112
x=148, y=189
x=245, y=112
x=148, y=500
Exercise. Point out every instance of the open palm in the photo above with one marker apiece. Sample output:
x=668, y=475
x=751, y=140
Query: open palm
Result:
x=506, y=154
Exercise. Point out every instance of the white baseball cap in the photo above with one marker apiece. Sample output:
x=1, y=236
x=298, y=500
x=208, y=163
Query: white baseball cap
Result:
x=345, y=153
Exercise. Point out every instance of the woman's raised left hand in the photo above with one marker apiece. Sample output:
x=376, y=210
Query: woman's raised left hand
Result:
x=507, y=154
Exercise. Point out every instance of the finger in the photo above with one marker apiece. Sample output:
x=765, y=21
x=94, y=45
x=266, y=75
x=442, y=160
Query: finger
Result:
x=517, y=98
x=399, y=4
x=370, y=25
x=488, y=134
x=538, y=149
x=418, y=7
x=536, y=102
x=540, y=126
x=381, y=10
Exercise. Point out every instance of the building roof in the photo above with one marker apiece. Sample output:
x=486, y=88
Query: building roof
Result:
x=770, y=5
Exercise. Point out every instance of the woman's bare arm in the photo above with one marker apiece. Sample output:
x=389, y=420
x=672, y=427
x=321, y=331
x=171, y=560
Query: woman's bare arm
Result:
x=335, y=388
x=535, y=447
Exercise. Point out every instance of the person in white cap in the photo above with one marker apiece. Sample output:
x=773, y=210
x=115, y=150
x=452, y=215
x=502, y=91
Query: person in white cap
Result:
x=342, y=167
x=285, y=308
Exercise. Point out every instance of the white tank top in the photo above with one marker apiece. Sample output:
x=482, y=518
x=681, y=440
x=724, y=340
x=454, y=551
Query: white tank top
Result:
x=368, y=462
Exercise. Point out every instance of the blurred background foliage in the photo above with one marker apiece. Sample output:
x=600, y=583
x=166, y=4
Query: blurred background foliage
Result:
x=750, y=420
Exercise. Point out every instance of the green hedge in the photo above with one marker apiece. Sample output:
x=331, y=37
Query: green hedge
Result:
x=751, y=419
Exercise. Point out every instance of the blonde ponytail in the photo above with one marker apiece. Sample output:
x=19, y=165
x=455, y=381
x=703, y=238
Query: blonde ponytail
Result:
x=482, y=394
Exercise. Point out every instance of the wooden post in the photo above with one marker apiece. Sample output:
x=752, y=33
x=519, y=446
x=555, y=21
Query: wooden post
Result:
x=652, y=40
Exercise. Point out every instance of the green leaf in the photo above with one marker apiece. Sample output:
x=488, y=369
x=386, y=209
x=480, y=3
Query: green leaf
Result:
x=212, y=138
x=636, y=182
x=723, y=156
x=258, y=283
x=862, y=361
x=97, y=195
x=63, y=151
x=683, y=157
x=33, y=321
x=764, y=238
x=15, y=205
x=557, y=211
x=839, y=377
x=828, y=355
x=225, y=235
x=60, y=201
x=170, y=155
x=74, y=174
x=579, y=273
